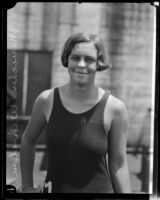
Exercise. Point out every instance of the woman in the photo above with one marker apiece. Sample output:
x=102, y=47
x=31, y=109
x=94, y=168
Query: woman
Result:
x=87, y=128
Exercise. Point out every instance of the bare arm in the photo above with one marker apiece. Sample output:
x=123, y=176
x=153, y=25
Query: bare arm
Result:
x=117, y=157
x=28, y=142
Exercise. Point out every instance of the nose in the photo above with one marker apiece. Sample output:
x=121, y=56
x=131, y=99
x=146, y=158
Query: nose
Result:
x=82, y=63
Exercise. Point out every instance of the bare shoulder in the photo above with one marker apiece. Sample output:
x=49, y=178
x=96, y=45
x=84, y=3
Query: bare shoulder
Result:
x=117, y=107
x=115, y=112
x=46, y=100
x=38, y=116
x=45, y=94
x=116, y=104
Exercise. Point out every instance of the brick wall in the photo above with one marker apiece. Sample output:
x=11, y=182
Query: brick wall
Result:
x=127, y=31
x=130, y=39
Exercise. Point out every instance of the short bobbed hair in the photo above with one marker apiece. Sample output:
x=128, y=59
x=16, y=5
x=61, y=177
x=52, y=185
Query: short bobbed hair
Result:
x=85, y=37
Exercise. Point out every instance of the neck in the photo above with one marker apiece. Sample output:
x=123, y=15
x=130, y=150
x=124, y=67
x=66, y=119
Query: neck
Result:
x=82, y=93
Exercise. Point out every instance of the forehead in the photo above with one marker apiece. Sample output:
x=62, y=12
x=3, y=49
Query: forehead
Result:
x=85, y=48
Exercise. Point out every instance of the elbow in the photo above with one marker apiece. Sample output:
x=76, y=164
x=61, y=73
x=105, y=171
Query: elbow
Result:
x=114, y=167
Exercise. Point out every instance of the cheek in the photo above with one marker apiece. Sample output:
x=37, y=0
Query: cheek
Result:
x=71, y=65
x=71, y=68
x=92, y=68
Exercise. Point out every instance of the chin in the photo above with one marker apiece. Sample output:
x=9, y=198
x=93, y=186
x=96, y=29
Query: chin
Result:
x=80, y=84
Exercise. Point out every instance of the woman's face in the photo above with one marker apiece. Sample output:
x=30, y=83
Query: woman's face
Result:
x=82, y=63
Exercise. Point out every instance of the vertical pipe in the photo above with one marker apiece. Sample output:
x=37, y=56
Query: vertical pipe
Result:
x=25, y=83
x=26, y=29
x=152, y=135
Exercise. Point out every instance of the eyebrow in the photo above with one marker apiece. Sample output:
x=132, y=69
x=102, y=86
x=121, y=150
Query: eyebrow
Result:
x=87, y=56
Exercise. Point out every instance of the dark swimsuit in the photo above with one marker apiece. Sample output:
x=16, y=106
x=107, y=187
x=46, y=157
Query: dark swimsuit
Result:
x=76, y=149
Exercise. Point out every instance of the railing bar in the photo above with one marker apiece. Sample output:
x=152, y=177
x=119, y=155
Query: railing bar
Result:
x=41, y=147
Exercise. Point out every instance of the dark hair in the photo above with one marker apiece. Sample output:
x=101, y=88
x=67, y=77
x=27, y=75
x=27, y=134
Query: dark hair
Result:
x=84, y=37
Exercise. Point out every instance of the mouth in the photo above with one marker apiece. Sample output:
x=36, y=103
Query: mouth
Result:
x=80, y=72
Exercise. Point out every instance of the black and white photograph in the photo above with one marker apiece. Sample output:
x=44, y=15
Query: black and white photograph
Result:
x=81, y=107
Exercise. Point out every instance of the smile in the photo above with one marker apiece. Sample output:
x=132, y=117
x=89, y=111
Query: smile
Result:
x=80, y=73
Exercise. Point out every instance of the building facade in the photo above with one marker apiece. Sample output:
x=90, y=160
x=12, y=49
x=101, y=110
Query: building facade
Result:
x=37, y=32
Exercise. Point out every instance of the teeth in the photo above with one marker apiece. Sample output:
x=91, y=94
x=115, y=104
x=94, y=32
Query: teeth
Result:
x=81, y=72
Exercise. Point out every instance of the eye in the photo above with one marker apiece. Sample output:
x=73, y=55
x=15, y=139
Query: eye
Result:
x=75, y=58
x=90, y=60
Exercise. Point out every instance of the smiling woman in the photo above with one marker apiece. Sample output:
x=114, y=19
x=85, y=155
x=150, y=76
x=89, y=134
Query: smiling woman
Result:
x=86, y=38
x=82, y=64
x=86, y=128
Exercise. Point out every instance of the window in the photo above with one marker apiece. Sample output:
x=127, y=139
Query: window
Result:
x=28, y=73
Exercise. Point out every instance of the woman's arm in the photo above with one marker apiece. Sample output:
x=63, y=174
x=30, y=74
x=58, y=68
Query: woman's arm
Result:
x=117, y=141
x=28, y=143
